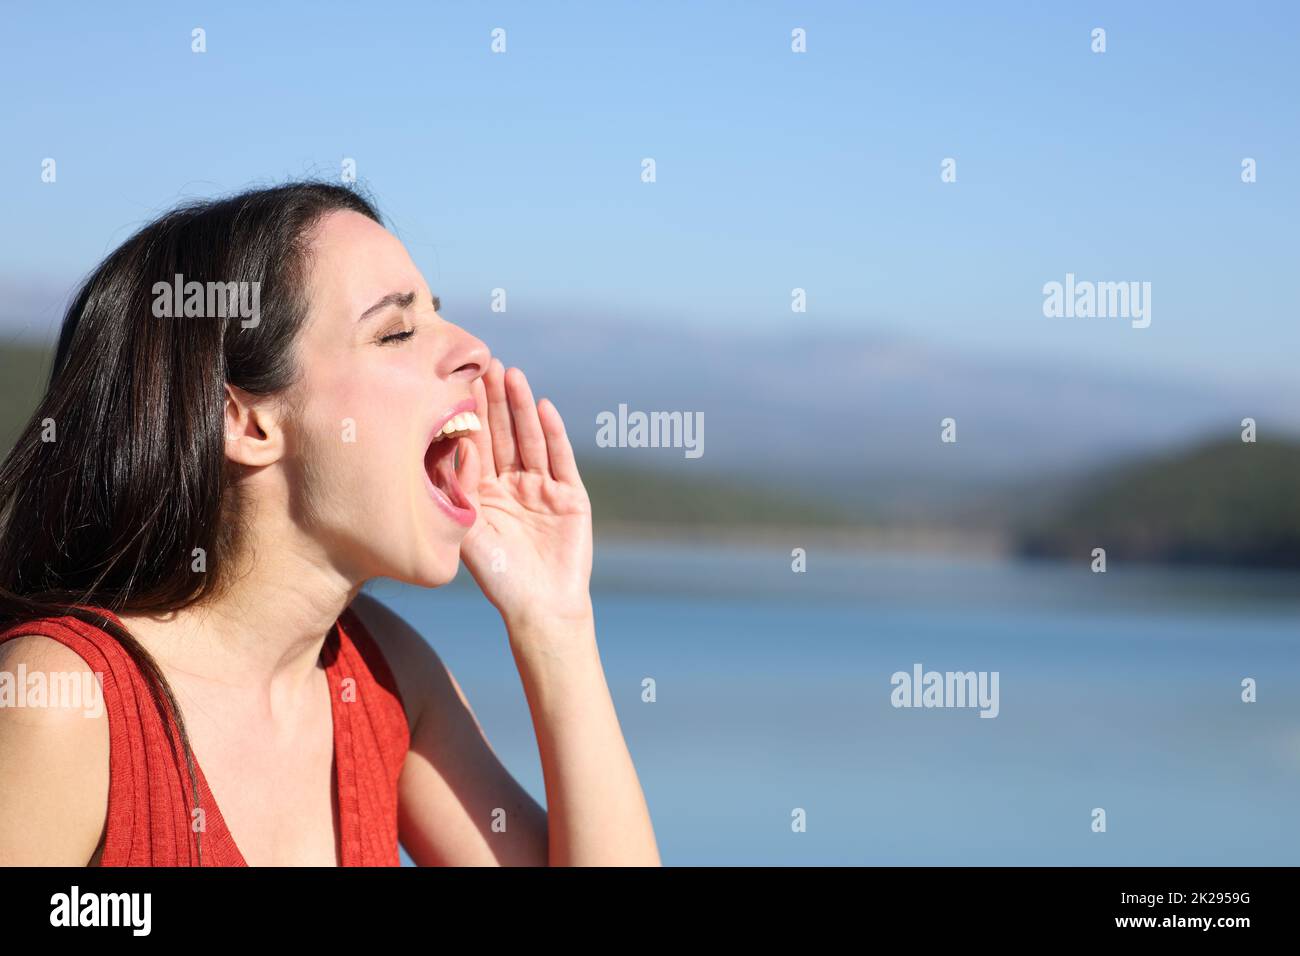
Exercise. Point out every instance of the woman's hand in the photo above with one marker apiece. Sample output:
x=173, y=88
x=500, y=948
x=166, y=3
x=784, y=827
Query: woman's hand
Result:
x=530, y=547
x=530, y=551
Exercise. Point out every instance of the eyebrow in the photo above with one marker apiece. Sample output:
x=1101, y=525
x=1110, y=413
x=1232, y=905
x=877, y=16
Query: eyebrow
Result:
x=402, y=300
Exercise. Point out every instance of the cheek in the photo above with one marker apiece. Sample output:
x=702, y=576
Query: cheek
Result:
x=361, y=449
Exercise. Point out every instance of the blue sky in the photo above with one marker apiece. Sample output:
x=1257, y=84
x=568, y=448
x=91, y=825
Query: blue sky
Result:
x=775, y=170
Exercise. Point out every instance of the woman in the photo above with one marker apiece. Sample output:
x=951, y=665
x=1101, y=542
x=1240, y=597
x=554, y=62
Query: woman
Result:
x=191, y=513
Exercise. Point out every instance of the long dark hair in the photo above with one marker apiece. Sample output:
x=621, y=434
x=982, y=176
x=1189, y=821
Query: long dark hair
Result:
x=120, y=474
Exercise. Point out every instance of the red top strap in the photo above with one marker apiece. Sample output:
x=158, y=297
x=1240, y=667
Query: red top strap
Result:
x=150, y=804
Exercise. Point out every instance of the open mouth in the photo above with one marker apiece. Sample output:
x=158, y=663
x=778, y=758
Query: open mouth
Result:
x=440, y=460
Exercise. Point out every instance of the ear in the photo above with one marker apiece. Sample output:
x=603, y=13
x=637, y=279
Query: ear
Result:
x=253, y=429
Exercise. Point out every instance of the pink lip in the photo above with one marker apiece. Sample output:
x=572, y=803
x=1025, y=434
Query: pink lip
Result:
x=462, y=516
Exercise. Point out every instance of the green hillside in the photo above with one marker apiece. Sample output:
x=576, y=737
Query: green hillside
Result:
x=639, y=496
x=23, y=370
x=1228, y=502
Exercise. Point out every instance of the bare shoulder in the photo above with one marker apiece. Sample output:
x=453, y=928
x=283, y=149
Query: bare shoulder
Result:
x=39, y=670
x=54, y=747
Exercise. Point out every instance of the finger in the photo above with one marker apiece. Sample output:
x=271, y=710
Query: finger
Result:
x=528, y=429
x=558, y=449
x=498, y=408
x=483, y=437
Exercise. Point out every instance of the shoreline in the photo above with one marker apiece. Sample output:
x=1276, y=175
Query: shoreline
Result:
x=852, y=538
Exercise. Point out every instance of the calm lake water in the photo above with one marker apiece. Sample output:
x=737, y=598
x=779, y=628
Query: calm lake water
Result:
x=1119, y=691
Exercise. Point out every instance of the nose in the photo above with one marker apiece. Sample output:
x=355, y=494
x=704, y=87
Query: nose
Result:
x=467, y=359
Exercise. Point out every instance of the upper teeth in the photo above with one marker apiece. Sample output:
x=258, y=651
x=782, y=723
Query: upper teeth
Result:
x=464, y=422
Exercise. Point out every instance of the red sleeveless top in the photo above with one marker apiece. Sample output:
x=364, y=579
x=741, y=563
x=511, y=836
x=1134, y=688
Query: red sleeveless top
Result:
x=150, y=802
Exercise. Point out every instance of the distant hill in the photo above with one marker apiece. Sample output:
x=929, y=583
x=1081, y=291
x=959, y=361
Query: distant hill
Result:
x=860, y=406
x=1228, y=502
x=630, y=496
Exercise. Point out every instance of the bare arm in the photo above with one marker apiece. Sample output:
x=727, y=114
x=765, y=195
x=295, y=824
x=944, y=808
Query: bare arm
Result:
x=54, y=787
x=454, y=788
x=454, y=793
x=598, y=813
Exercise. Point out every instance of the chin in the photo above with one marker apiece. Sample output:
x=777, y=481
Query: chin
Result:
x=436, y=570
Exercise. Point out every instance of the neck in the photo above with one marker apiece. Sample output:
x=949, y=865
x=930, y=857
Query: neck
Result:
x=263, y=633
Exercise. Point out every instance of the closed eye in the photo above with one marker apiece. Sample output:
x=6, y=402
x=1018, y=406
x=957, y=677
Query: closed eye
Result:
x=397, y=336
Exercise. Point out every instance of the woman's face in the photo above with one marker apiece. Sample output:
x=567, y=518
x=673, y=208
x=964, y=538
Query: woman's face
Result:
x=381, y=374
